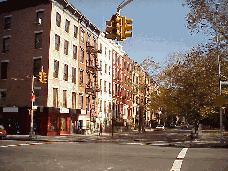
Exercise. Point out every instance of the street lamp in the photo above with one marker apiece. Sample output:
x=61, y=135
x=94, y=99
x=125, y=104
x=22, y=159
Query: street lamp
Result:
x=219, y=75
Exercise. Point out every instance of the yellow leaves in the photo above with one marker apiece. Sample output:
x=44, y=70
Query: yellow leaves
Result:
x=220, y=101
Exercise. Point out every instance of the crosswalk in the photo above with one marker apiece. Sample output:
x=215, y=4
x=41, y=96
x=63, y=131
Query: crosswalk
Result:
x=25, y=144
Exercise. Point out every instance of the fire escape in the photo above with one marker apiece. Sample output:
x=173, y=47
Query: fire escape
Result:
x=92, y=67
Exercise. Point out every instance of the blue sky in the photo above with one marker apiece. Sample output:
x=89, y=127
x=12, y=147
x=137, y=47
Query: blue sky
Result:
x=158, y=26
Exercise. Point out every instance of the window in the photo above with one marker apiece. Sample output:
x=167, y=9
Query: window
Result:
x=6, y=42
x=4, y=66
x=53, y=127
x=38, y=40
x=93, y=104
x=74, y=52
x=82, y=36
x=88, y=58
x=105, y=109
x=100, y=85
x=65, y=76
x=40, y=15
x=109, y=70
x=56, y=69
x=81, y=77
x=7, y=23
x=37, y=97
x=88, y=79
x=73, y=100
x=82, y=55
x=3, y=98
x=109, y=88
x=63, y=123
x=100, y=46
x=109, y=54
x=94, y=43
x=88, y=39
x=104, y=86
x=105, y=68
x=87, y=103
x=75, y=31
x=57, y=42
x=73, y=75
x=81, y=102
x=55, y=97
x=66, y=43
x=36, y=67
x=65, y=98
x=58, y=19
x=100, y=105
x=67, y=26
x=105, y=51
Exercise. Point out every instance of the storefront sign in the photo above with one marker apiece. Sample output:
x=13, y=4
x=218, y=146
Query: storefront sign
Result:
x=10, y=109
x=64, y=110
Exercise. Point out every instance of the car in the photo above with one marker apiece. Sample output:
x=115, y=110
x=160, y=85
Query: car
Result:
x=172, y=125
x=3, y=133
x=160, y=127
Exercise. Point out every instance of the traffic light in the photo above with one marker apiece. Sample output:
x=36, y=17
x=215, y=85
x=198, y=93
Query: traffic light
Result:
x=110, y=35
x=41, y=76
x=44, y=77
x=116, y=25
x=126, y=28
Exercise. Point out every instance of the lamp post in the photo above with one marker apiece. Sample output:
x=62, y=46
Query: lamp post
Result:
x=31, y=135
x=219, y=76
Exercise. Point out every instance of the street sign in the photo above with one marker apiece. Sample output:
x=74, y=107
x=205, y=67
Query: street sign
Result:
x=224, y=82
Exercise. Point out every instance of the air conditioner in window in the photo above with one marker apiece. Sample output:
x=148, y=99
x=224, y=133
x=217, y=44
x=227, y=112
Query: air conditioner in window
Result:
x=38, y=21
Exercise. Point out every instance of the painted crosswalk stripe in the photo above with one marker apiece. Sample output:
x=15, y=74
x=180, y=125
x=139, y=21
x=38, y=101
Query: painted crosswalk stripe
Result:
x=3, y=146
x=178, y=162
x=12, y=145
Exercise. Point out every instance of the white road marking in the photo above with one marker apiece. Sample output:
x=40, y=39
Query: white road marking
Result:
x=3, y=146
x=23, y=144
x=12, y=145
x=177, y=163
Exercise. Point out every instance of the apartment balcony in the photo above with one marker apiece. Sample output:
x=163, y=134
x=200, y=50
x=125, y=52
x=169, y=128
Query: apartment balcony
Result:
x=92, y=89
x=92, y=67
x=92, y=49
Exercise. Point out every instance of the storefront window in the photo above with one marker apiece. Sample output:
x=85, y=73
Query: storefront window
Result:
x=53, y=127
x=63, y=123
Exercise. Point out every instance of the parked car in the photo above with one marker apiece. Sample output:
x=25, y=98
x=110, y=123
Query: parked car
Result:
x=160, y=127
x=172, y=125
x=3, y=133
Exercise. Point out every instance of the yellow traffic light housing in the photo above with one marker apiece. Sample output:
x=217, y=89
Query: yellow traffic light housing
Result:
x=109, y=34
x=41, y=76
x=126, y=28
x=44, y=77
x=116, y=24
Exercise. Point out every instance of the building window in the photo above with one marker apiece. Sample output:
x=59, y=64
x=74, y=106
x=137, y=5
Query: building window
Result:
x=7, y=23
x=100, y=47
x=109, y=70
x=66, y=43
x=82, y=36
x=75, y=31
x=55, y=97
x=94, y=43
x=39, y=16
x=73, y=100
x=80, y=102
x=87, y=79
x=105, y=51
x=105, y=108
x=110, y=88
x=3, y=98
x=74, y=52
x=88, y=39
x=105, y=68
x=37, y=97
x=81, y=77
x=109, y=54
x=4, y=68
x=73, y=75
x=65, y=75
x=58, y=19
x=6, y=42
x=88, y=58
x=104, y=86
x=100, y=105
x=56, y=69
x=101, y=86
x=81, y=55
x=67, y=26
x=38, y=40
x=87, y=103
x=36, y=67
x=93, y=104
x=57, y=42
x=65, y=98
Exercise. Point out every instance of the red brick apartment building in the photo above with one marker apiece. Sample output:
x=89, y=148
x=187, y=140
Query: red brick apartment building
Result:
x=54, y=35
x=122, y=79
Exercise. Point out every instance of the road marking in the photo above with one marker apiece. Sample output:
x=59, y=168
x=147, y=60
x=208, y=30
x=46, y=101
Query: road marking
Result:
x=15, y=145
x=178, y=162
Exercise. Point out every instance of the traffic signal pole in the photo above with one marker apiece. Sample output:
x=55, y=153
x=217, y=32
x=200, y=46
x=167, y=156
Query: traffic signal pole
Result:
x=31, y=135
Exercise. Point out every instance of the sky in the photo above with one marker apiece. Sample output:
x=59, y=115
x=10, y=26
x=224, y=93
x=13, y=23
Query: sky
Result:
x=159, y=26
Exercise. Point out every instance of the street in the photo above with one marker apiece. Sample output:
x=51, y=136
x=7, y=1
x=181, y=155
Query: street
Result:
x=127, y=151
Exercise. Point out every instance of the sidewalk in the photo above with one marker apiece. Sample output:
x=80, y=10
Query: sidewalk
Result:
x=209, y=138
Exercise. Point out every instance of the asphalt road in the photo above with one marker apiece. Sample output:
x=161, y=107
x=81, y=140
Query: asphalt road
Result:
x=109, y=156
